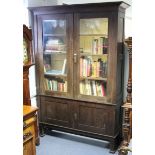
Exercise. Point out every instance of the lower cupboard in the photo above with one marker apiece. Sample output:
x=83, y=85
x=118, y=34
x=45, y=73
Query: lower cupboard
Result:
x=96, y=120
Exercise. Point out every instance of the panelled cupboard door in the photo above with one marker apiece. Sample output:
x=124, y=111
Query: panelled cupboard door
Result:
x=95, y=118
x=56, y=111
x=55, y=54
x=92, y=48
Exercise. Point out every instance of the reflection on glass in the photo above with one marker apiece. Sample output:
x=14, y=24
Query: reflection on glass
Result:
x=55, y=60
x=93, y=56
x=54, y=27
x=94, y=26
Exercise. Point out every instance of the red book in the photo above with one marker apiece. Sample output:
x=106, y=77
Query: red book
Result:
x=103, y=90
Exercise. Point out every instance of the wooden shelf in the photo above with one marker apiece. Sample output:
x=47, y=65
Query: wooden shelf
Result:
x=94, y=78
x=49, y=53
x=54, y=35
x=93, y=35
x=90, y=54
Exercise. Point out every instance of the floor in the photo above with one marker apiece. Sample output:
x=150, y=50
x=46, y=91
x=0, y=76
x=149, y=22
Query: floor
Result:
x=59, y=143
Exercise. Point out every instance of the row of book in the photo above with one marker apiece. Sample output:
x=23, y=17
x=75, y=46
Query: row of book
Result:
x=100, y=45
x=55, y=46
x=55, y=85
x=93, y=88
x=90, y=68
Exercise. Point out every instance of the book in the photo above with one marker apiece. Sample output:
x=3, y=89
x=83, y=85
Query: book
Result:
x=65, y=86
x=105, y=45
x=94, y=88
x=64, y=67
x=95, y=46
x=102, y=89
x=81, y=66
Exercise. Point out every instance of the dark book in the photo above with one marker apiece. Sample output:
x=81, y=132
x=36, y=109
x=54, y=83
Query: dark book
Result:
x=105, y=45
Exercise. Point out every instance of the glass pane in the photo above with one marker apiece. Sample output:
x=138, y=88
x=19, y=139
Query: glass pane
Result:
x=55, y=59
x=93, y=56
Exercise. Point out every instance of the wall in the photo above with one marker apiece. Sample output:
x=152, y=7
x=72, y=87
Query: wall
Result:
x=33, y=3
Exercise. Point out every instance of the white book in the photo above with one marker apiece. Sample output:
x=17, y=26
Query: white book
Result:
x=65, y=86
x=94, y=88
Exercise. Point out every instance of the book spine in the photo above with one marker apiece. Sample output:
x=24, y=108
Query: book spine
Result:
x=103, y=90
x=65, y=86
x=64, y=66
x=94, y=88
x=84, y=67
x=97, y=69
x=49, y=85
x=95, y=46
x=81, y=67
x=105, y=45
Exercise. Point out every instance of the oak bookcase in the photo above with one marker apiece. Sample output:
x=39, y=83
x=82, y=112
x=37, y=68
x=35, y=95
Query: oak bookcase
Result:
x=79, y=68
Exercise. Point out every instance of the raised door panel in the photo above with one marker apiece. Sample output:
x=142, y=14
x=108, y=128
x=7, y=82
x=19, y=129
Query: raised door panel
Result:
x=95, y=118
x=56, y=112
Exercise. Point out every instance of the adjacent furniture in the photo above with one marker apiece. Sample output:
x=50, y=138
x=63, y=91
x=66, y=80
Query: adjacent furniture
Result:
x=79, y=68
x=30, y=128
x=30, y=123
x=27, y=63
x=127, y=106
x=29, y=145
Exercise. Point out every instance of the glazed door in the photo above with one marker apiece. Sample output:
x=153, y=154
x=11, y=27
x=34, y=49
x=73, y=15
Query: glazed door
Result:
x=56, y=73
x=92, y=50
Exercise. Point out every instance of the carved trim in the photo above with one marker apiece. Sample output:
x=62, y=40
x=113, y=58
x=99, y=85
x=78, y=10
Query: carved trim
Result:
x=129, y=85
x=27, y=35
x=127, y=107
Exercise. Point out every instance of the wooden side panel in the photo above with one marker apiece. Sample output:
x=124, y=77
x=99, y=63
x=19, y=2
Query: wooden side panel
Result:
x=120, y=55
